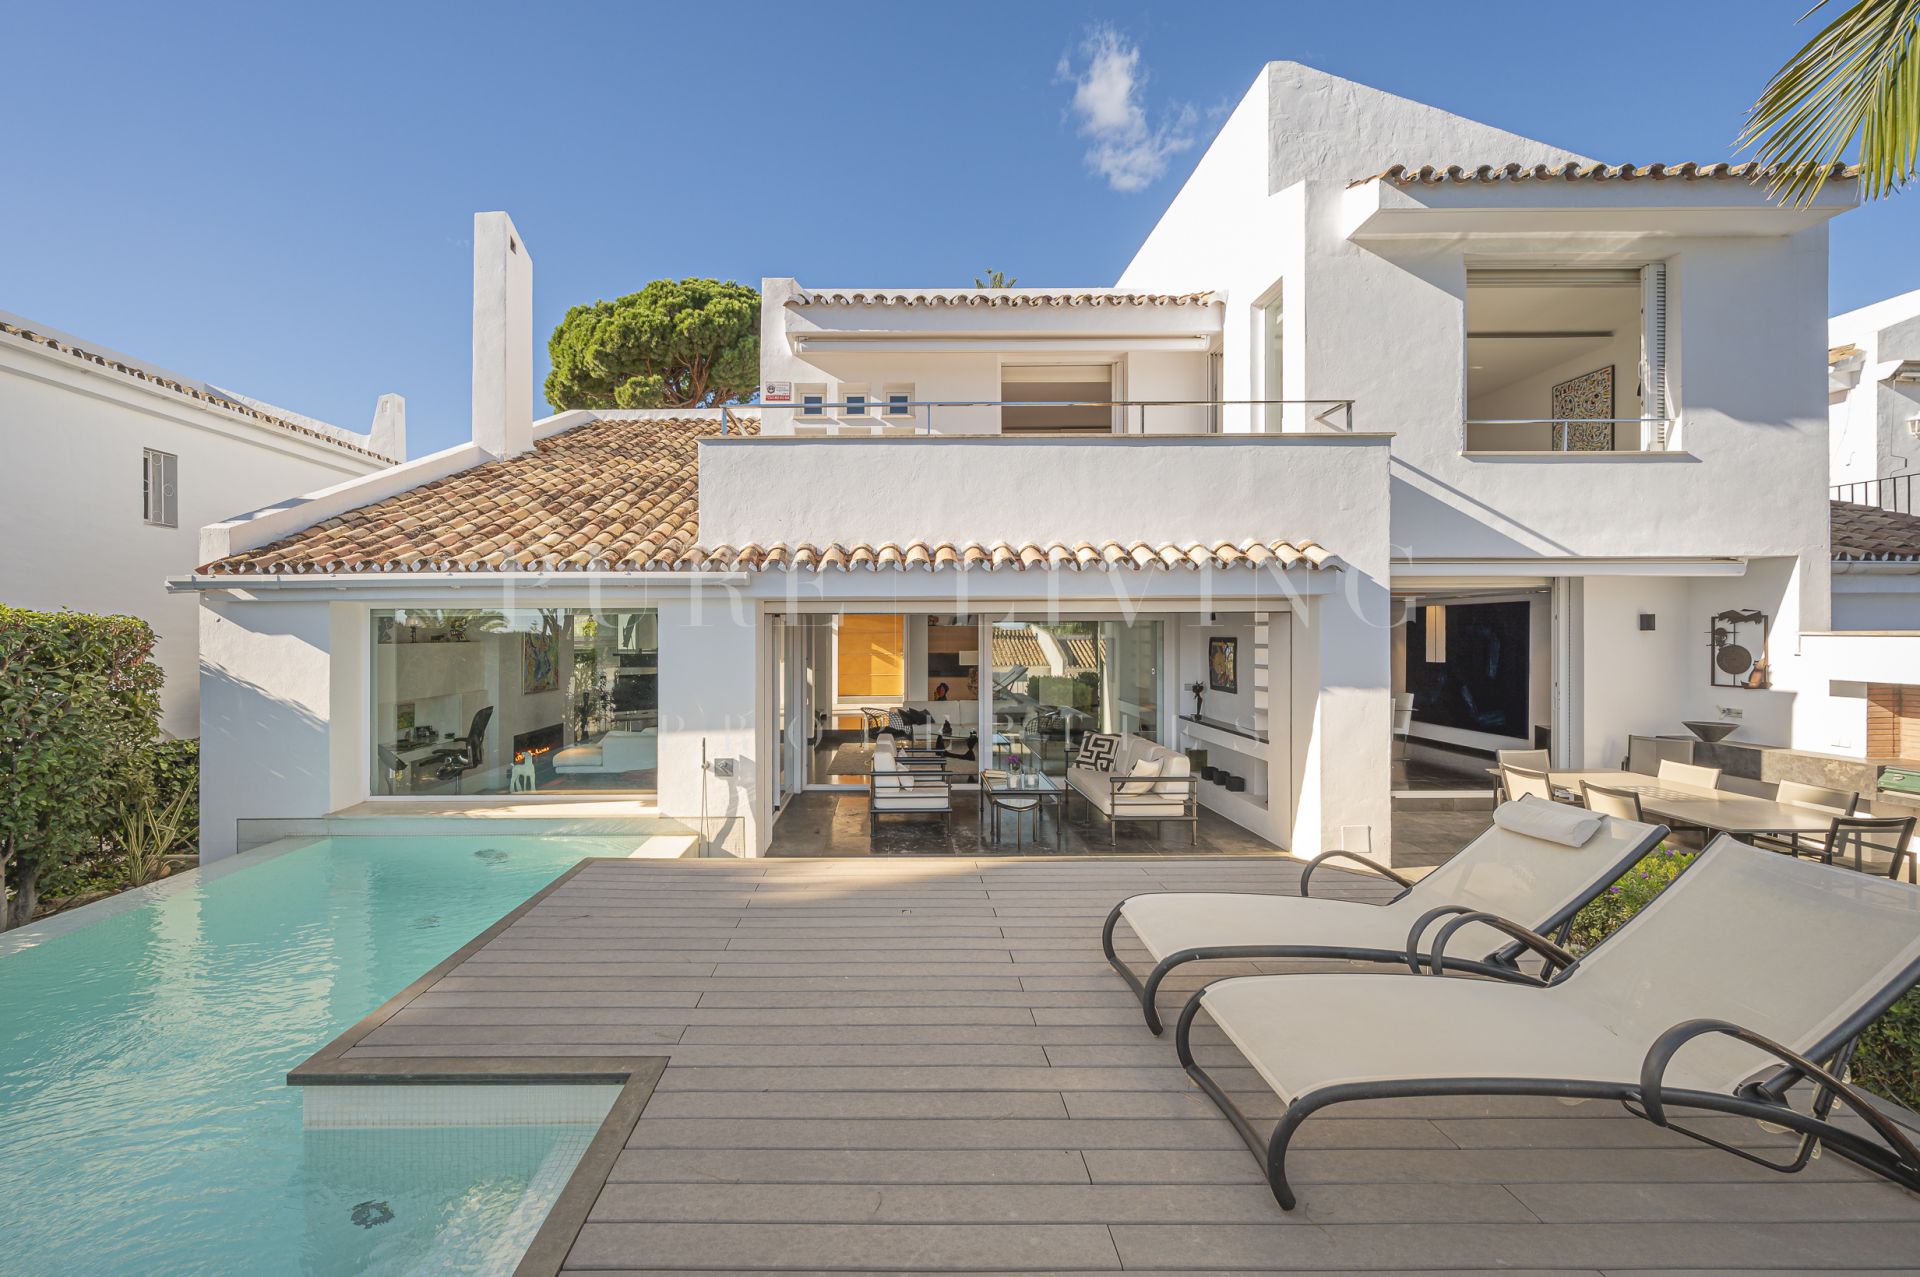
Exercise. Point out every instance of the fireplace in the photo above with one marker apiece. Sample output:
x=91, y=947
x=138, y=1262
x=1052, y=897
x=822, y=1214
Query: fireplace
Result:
x=541, y=740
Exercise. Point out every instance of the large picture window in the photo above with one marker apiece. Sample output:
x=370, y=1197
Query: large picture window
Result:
x=474, y=702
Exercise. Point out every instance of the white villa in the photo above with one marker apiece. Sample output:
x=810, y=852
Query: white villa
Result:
x=1873, y=393
x=115, y=464
x=1396, y=426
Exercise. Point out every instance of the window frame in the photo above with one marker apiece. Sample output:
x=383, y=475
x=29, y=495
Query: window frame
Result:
x=160, y=488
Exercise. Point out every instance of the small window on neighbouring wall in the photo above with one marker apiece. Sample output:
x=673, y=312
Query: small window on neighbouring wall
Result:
x=160, y=489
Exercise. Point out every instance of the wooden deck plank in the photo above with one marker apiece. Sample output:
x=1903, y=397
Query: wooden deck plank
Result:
x=925, y=1065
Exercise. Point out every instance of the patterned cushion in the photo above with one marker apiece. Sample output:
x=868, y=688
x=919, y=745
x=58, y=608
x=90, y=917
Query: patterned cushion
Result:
x=1097, y=750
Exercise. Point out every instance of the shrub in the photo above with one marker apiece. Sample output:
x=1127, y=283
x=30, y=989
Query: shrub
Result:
x=173, y=768
x=79, y=705
x=1636, y=888
x=1887, y=1061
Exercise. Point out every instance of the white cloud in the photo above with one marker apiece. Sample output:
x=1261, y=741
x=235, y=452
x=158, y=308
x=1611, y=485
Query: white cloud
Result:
x=1123, y=147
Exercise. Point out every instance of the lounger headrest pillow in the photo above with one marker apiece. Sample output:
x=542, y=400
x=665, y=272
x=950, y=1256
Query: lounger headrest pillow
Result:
x=1549, y=822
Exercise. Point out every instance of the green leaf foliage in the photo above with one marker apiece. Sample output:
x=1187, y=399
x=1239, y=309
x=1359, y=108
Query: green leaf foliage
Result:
x=79, y=710
x=1858, y=78
x=677, y=343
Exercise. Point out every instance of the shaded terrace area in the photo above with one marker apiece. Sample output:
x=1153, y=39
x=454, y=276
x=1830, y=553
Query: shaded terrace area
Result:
x=926, y=1065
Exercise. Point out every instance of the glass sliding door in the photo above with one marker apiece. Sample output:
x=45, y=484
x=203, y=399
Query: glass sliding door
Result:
x=1055, y=681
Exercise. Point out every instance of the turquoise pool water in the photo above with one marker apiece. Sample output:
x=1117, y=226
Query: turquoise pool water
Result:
x=145, y=1123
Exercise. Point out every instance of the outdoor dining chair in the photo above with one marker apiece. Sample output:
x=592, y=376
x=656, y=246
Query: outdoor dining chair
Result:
x=1835, y=802
x=1689, y=774
x=1623, y=803
x=1868, y=838
x=1502, y=871
x=1520, y=782
x=1751, y=975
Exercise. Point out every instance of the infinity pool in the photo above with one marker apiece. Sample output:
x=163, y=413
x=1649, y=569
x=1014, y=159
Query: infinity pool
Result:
x=144, y=1115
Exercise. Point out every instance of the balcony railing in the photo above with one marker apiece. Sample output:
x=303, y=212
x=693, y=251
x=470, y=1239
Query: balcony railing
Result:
x=1563, y=434
x=1894, y=492
x=1121, y=416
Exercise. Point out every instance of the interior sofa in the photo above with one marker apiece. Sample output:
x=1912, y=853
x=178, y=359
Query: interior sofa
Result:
x=1171, y=792
x=616, y=751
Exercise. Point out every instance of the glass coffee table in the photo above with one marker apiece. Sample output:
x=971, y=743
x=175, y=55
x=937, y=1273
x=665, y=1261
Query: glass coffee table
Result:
x=1020, y=794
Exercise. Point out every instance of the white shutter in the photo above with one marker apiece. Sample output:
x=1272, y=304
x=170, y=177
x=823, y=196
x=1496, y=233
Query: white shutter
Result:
x=159, y=489
x=1653, y=352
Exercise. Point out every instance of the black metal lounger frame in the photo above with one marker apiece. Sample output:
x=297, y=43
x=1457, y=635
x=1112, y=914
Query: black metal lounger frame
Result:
x=1895, y=1158
x=1498, y=965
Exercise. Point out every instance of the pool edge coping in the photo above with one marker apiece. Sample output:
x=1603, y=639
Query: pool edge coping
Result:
x=636, y=1075
x=54, y=925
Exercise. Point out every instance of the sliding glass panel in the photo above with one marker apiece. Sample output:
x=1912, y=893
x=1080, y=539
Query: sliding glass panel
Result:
x=1055, y=681
x=514, y=701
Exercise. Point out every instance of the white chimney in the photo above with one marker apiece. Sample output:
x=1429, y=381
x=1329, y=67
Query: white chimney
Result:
x=502, y=337
x=389, y=434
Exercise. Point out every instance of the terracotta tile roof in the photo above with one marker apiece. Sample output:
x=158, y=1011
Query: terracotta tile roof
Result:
x=619, y=494
x=1003, y=556
x=997, y=297
x=1866, y=533
x=197, y=393
x=1014, y=647
x=1434, y=174
x=623, y=496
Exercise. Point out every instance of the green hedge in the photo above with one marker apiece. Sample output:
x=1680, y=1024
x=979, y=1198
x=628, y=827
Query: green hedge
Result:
x=79, y=715
x=1888, y=1059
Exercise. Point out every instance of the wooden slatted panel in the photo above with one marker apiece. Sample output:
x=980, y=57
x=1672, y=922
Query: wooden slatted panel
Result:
x=1893, y=721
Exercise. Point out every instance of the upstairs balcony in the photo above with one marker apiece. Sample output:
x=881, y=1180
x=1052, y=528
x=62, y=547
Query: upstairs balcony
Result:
x=1042, y=416
x=1173, y=472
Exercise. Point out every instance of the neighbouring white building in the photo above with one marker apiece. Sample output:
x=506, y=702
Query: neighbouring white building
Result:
x=1873, y=398
x=116, y=463
x=1391, y=407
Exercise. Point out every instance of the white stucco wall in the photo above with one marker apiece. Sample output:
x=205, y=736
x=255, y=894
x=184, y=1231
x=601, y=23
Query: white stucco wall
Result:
x=70, y=499
x=267, y=714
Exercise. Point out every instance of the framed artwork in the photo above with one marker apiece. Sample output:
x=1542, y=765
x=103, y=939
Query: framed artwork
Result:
x=1223, y=664
x=540, y=662
x=1586, y=397
x=1737, y=650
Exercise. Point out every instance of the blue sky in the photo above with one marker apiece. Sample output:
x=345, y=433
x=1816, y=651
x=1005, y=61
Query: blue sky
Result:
x=279, y=199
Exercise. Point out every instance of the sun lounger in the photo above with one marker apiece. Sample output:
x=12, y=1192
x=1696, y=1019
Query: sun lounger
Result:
x=1751, y=975
x=1511, y=874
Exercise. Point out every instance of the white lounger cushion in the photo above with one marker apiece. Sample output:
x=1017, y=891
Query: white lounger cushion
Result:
x=1170, y=921
x=1553, y=822
x=1786, y=948
x=1501, y=872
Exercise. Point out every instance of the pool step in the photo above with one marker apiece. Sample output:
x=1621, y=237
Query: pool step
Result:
x=653, y=836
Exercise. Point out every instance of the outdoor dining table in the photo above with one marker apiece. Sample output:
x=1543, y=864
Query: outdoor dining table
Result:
x=1700, y=808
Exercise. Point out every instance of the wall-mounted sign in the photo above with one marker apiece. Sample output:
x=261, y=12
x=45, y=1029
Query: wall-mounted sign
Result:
x=777, y=392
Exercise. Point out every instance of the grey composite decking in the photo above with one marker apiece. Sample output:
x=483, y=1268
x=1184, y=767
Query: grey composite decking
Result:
x=926, y=1065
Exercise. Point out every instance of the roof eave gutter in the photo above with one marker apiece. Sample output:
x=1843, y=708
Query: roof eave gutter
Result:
x=1876, y=567
x=309, y=582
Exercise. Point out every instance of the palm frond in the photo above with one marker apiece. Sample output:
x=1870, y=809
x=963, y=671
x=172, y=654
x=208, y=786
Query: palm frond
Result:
x=1858, y=78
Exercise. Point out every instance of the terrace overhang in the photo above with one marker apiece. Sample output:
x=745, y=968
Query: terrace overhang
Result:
x=1615, y=210
x=898, y=342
